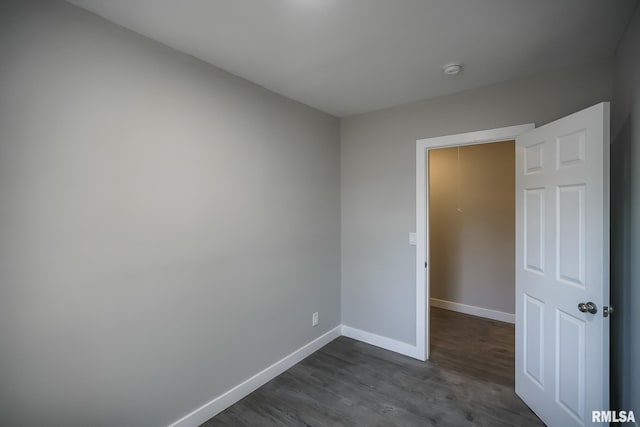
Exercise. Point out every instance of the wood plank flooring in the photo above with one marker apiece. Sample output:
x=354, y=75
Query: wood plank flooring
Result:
x=472, y=346
x=467, y=382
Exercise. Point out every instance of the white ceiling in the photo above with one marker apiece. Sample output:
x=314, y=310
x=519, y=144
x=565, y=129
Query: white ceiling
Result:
x=352, y=56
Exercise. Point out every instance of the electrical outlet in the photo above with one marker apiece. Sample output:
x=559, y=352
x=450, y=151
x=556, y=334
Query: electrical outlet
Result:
x=314, y=319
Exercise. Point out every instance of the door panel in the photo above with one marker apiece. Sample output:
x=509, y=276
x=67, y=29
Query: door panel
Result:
x=534, y=340
x=570, y=234
x=534, y=229
x=562, y=256
x=570, y=364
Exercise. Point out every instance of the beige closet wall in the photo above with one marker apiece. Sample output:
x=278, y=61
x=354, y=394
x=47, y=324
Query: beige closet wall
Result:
x=472, y=219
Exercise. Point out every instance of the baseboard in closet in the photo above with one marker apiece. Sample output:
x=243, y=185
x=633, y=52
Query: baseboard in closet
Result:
x=473, y=310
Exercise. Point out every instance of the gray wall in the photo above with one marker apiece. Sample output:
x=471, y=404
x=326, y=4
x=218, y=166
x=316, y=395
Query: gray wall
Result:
x=625, y=228
x=472, y=225
x=378, y=181
x=166, y=229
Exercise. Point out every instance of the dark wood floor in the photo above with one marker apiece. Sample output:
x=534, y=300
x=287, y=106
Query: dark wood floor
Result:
x=467, y=382
x=474, y=347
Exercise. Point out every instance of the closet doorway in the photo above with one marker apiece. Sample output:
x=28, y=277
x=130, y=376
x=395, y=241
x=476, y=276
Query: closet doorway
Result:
x=472, y=256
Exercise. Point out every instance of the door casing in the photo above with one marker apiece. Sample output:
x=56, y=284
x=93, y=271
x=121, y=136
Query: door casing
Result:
x=422, y=216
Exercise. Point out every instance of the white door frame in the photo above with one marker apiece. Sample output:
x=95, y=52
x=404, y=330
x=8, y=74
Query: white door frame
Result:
x=422, y=215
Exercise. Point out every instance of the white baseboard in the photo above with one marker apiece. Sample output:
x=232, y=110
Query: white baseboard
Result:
x=473, y=310
x=222, y=402
x=380, y=341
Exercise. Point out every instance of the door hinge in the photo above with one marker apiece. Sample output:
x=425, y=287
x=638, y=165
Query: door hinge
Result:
x=607, y=310
x=425, y=264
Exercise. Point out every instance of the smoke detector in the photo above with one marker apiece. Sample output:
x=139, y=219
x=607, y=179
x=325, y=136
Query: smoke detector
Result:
x=452, y=69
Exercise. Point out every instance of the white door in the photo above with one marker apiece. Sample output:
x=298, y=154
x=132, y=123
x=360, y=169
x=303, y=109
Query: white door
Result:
x=562, y=267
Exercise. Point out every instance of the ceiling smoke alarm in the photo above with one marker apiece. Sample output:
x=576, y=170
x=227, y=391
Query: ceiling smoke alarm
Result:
x=452, y=69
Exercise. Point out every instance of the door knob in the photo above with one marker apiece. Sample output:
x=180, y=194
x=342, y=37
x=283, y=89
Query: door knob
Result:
x=589, y=307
